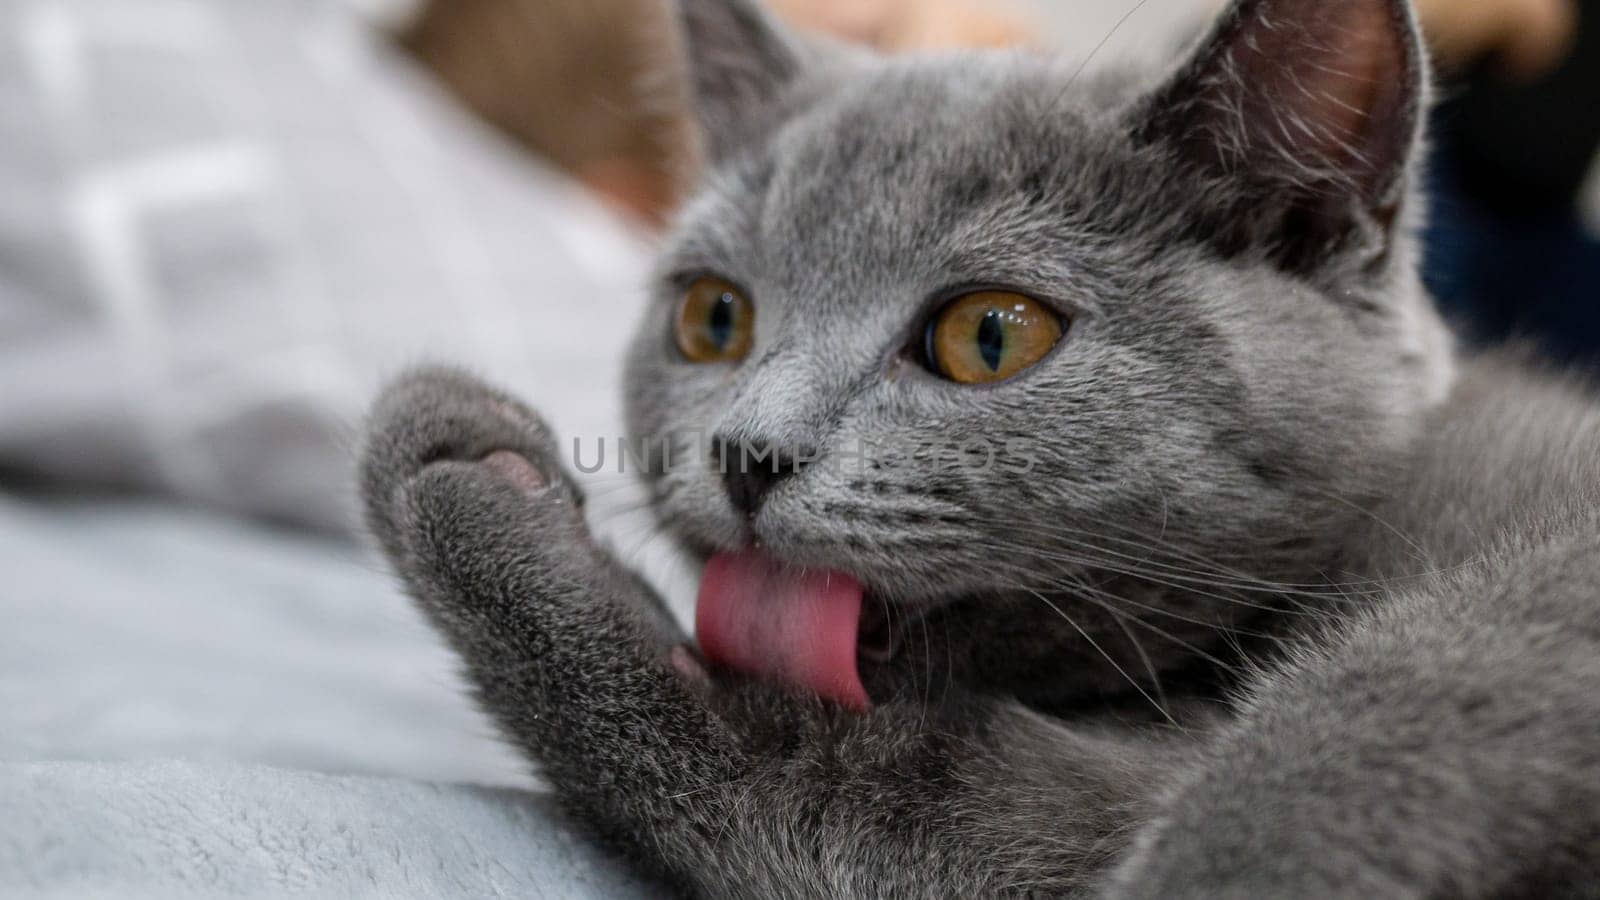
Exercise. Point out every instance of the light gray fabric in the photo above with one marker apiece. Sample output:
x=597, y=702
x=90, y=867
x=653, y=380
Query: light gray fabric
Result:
x=223, y=830
x=223, y=222
x=137, y=631
x=190, y=705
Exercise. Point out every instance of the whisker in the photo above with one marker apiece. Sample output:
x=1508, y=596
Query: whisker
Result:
x=1189, y=584
x=1239, y=579
x=1078, y=72
x=1105, y=600
x=1421, y=555
x=1144, y=657
x=1069, y=585
x=1114, y=664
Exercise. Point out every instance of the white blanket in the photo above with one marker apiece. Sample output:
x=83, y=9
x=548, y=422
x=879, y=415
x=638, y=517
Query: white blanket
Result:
x=190, y=706
x=164, y=830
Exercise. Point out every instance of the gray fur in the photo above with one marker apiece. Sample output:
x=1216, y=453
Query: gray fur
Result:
x=1293, y=601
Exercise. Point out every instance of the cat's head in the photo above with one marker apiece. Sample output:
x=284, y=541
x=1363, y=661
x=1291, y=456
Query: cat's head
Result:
x=1017, y=335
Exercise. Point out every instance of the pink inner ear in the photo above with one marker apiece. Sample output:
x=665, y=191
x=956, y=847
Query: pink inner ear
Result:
x=1300, y=92
x=1324, y=82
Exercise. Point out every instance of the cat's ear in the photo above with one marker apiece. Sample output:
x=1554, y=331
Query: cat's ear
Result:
x=1310, y=109
x=739, y=60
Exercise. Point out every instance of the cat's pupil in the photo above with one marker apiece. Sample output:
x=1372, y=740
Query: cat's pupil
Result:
x=721, y=323
x=991, y=339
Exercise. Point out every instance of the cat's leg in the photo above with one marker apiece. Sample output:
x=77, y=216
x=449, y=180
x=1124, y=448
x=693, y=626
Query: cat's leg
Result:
x=442, y=415
x=1447, y=745
x=732, y=790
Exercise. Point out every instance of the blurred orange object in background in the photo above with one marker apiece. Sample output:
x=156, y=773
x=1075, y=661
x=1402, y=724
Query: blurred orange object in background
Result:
x=587, y=83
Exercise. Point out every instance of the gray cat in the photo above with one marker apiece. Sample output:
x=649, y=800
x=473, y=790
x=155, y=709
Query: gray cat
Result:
x=1273, y=594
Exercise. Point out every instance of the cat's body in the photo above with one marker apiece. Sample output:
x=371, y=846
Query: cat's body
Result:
x=1289, y=601
x=1442, y=738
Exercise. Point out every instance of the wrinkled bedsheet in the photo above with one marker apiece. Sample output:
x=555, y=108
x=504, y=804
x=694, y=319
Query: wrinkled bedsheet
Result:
x=194, y=706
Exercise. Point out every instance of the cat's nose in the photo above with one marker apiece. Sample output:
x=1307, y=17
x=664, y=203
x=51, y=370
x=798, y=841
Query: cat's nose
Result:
x=751, y=469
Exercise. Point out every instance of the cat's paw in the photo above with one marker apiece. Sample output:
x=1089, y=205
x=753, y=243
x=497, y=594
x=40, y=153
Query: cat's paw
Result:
x=436, y=416
x=458, y=478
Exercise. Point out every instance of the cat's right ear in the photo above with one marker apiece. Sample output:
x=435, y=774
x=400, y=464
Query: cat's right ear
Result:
x=1309, y=110
x=739, y=60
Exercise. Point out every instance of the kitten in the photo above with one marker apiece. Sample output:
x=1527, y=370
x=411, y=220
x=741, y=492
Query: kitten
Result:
x=1269, y=594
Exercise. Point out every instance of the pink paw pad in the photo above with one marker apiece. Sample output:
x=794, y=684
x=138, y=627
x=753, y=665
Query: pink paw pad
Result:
x=684, y=661
x=517, y=470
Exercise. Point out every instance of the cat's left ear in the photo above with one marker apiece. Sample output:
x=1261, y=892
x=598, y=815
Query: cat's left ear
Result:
x=1309, y=110
x=739, y=61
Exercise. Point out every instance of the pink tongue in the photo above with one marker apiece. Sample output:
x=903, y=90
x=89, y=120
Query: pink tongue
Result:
x=757, y=617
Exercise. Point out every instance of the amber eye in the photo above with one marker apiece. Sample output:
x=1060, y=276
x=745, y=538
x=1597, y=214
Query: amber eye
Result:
x=715, y=322
x=989, y=336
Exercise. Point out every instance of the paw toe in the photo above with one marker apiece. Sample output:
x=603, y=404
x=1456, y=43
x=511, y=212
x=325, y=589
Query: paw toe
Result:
x=517, y=470
x=435, y=415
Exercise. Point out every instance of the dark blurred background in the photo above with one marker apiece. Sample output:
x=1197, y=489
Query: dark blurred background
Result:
x=1516, y=198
